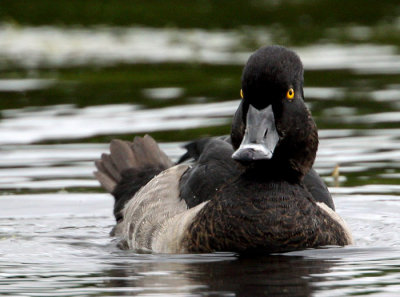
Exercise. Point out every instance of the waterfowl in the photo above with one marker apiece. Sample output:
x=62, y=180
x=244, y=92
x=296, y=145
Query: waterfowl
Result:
x=254, y=191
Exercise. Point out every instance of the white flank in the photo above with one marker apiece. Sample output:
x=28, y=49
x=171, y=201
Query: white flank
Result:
x=156, y=218
x=338, y=219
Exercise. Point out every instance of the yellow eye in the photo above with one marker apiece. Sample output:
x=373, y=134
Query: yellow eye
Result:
x=241, y=93
x=290, y=94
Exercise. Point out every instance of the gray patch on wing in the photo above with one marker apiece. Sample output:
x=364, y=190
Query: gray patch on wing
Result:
x=338, y=219
x=155, y=211
x=170, y=237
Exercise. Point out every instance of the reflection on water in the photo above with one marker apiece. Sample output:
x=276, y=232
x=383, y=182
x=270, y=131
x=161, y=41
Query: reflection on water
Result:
x=33, y=125
x=32, y=47
x=264, y=276
x=63, y=97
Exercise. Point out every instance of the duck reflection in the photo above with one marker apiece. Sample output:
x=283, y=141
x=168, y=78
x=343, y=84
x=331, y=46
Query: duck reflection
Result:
x=211, y=275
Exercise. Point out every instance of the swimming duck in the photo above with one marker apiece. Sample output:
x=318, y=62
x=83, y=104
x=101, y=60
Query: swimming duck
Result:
x=254, y=191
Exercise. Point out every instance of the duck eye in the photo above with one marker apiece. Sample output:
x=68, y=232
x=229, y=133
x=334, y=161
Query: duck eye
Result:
x=241, y=93
x=290, y=94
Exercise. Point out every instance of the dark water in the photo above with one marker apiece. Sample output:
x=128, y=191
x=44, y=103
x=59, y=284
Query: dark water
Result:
x=76, y=75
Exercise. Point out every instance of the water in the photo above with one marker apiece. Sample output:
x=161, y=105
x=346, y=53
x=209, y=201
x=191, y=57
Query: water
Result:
x=67, y=90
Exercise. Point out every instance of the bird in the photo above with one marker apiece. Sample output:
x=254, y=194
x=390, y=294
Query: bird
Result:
x=253, y=191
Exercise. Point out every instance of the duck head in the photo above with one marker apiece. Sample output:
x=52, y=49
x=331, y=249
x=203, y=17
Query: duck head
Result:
x=272, y=129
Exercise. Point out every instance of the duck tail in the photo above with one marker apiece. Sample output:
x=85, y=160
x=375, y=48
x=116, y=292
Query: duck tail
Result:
x=128, y=167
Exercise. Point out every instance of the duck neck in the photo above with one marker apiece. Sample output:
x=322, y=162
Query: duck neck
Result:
x=272, y=171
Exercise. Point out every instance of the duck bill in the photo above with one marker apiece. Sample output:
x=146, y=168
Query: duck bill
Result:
x=260, y=137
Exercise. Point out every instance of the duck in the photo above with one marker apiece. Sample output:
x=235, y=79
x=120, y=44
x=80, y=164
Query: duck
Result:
x=254, y=191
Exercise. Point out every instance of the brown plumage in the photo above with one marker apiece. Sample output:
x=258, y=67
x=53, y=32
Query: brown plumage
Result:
x=269, y=217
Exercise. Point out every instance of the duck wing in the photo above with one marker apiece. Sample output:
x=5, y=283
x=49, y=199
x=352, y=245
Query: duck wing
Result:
x=212, y=170
x=316, y=186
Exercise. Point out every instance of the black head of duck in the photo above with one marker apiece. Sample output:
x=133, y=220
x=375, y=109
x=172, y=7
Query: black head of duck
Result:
x=253, y=191
x=273, y=131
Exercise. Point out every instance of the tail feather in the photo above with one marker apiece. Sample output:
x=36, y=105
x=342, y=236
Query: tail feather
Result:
x=99, y=165
x=146, y=149
x=153, y=146
x=128, y=167
x=106, y=182
x=138, y=147
x=111, y=170
x=122, y=155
